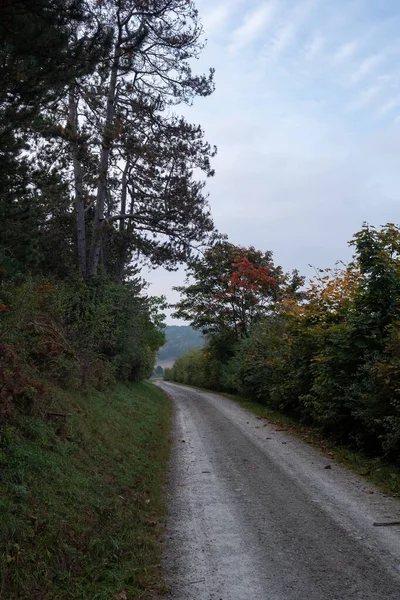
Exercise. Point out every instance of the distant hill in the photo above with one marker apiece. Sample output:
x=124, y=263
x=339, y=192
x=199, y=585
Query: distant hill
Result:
x=180, y=339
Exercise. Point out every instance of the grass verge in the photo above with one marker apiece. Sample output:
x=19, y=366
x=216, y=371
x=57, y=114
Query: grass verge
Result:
x=82, y=499
x=384, y=475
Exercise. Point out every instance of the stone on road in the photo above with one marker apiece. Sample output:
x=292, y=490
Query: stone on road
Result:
x=254, y=514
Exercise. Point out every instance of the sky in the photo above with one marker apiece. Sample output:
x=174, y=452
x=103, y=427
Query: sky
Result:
x=306, y=118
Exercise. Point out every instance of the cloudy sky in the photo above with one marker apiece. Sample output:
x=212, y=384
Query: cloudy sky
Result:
x=306, y=117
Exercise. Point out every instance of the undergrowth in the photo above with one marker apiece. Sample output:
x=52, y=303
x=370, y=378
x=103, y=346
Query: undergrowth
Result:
x=81, y=497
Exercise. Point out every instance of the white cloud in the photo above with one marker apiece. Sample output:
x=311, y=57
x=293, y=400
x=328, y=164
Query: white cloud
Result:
x=365, y=98
x=367, y=66
x=389, y=106
x=285, y=34
x=314, y=47
x=345, y=52
x=215, y=18
x=252, y=25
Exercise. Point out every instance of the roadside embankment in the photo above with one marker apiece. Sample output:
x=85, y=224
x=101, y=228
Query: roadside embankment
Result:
x=82, y=496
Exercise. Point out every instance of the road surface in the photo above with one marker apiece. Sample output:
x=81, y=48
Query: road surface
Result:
x=256, y=514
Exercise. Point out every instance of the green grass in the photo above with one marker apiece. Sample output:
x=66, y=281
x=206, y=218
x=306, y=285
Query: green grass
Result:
x=384, y=475
x=82, y=500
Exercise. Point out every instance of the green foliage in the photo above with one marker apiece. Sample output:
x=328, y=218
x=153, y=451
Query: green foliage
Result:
x=75, y=332
x=39, y=56
x=329, y=357
x=189, y=369
x=215, y=303
x=233, y=288
x=82, y=500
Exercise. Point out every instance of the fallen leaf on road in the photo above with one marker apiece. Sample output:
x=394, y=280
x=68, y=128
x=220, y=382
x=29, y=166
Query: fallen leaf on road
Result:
x=183, y=441
x=121, y=596
x=257, y=427
x=152, y=523
x=252, y=467
x=368, y=492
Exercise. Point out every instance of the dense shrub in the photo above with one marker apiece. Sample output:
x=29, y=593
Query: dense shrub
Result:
x=331, y=357
x=75, y=333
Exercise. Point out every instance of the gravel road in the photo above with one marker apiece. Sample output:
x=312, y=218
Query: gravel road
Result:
x=256, y=514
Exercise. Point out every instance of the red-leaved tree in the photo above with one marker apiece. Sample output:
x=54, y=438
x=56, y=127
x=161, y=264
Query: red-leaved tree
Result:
x=230, y=288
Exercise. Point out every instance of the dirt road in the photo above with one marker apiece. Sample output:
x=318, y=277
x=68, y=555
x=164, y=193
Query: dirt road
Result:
x=256, y=514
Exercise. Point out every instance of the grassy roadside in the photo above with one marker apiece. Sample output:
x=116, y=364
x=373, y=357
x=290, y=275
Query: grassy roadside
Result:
x=81, y=499
x=384, y=475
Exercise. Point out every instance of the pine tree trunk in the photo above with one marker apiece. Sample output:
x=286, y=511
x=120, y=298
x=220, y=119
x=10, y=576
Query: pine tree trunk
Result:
x=103, y=166
x=124, y=192
x=78, y=182
x=124, y=241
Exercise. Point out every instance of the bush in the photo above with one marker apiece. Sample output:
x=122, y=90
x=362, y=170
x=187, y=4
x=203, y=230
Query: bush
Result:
x=330, y=357
x=75, y=333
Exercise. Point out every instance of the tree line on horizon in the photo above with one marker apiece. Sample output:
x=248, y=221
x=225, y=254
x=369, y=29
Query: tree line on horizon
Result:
x=179, y=339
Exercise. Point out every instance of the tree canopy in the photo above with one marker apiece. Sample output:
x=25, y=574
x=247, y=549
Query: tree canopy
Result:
x=232, y=288
x=95, y=157
x=99, y=173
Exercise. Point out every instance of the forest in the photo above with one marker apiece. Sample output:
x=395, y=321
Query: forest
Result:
x=97, y=179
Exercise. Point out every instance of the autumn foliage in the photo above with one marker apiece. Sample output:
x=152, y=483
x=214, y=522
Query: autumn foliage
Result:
x=230, y=289
x=328, y=355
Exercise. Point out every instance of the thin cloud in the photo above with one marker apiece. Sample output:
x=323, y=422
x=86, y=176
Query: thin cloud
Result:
x=345, y=52
x=367, y=66
x=365, y=98
x=314, y=47
x=286, y=34
x=216, y=18
x=283, y=39
x=252, y=26
x=389, y=106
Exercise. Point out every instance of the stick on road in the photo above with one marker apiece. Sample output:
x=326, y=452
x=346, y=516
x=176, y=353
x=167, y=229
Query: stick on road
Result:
x=256, y=515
